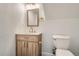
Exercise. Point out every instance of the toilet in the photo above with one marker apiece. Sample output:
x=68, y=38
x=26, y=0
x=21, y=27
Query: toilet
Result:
x=47, y=54
x=61, y=43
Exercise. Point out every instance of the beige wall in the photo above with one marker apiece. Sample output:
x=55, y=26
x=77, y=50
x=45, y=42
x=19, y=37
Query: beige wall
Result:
x=59, y=19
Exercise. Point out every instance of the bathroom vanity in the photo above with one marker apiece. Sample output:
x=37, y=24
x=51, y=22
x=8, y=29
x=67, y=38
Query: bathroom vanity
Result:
x=29, y=44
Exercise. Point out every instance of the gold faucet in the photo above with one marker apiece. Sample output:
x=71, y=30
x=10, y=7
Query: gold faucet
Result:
x=31, y=30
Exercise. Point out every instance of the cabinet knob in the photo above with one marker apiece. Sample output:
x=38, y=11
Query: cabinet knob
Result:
x=40, y=42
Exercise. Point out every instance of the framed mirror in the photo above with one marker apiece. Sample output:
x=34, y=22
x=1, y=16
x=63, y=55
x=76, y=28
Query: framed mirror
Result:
x=33, y=18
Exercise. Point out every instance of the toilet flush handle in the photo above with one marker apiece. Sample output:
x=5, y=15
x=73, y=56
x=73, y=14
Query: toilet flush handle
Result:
x=54, y=50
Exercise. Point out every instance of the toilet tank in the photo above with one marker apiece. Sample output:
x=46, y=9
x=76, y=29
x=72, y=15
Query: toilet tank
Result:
x=61, y=41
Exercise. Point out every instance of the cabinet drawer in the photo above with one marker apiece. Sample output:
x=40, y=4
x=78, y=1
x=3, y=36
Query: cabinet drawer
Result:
x=22, y=37
x=33, y=38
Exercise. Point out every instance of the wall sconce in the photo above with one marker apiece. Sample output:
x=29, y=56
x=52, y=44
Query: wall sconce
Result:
x=41, y=19
x=29, y=6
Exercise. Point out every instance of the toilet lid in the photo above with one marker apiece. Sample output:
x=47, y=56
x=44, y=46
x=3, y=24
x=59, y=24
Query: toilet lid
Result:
x=62, y=52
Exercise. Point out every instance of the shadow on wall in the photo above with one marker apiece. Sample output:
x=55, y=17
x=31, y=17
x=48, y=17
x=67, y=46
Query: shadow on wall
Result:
x=12, y=21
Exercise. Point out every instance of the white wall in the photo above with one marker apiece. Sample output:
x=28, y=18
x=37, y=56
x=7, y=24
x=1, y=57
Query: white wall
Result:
x=61, y=19
x=11, y=21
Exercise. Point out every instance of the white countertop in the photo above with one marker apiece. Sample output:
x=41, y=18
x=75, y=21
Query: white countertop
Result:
x=36, y=33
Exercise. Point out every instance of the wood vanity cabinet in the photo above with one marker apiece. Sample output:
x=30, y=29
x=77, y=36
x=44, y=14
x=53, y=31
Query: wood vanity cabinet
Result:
x=28, y=45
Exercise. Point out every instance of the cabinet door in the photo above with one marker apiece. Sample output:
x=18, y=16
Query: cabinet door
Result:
x=21, y=48
x=18, y=48
x=33, y=49
x=24, y=48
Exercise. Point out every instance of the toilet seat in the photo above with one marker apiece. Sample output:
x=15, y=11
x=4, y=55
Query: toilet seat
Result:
x=62, y=52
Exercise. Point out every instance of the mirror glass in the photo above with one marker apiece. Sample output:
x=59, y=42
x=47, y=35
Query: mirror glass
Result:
x=33, y=17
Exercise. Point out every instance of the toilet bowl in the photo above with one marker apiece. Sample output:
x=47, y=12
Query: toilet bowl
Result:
x=47, y=54
x=59, y=52
x=62, y=52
